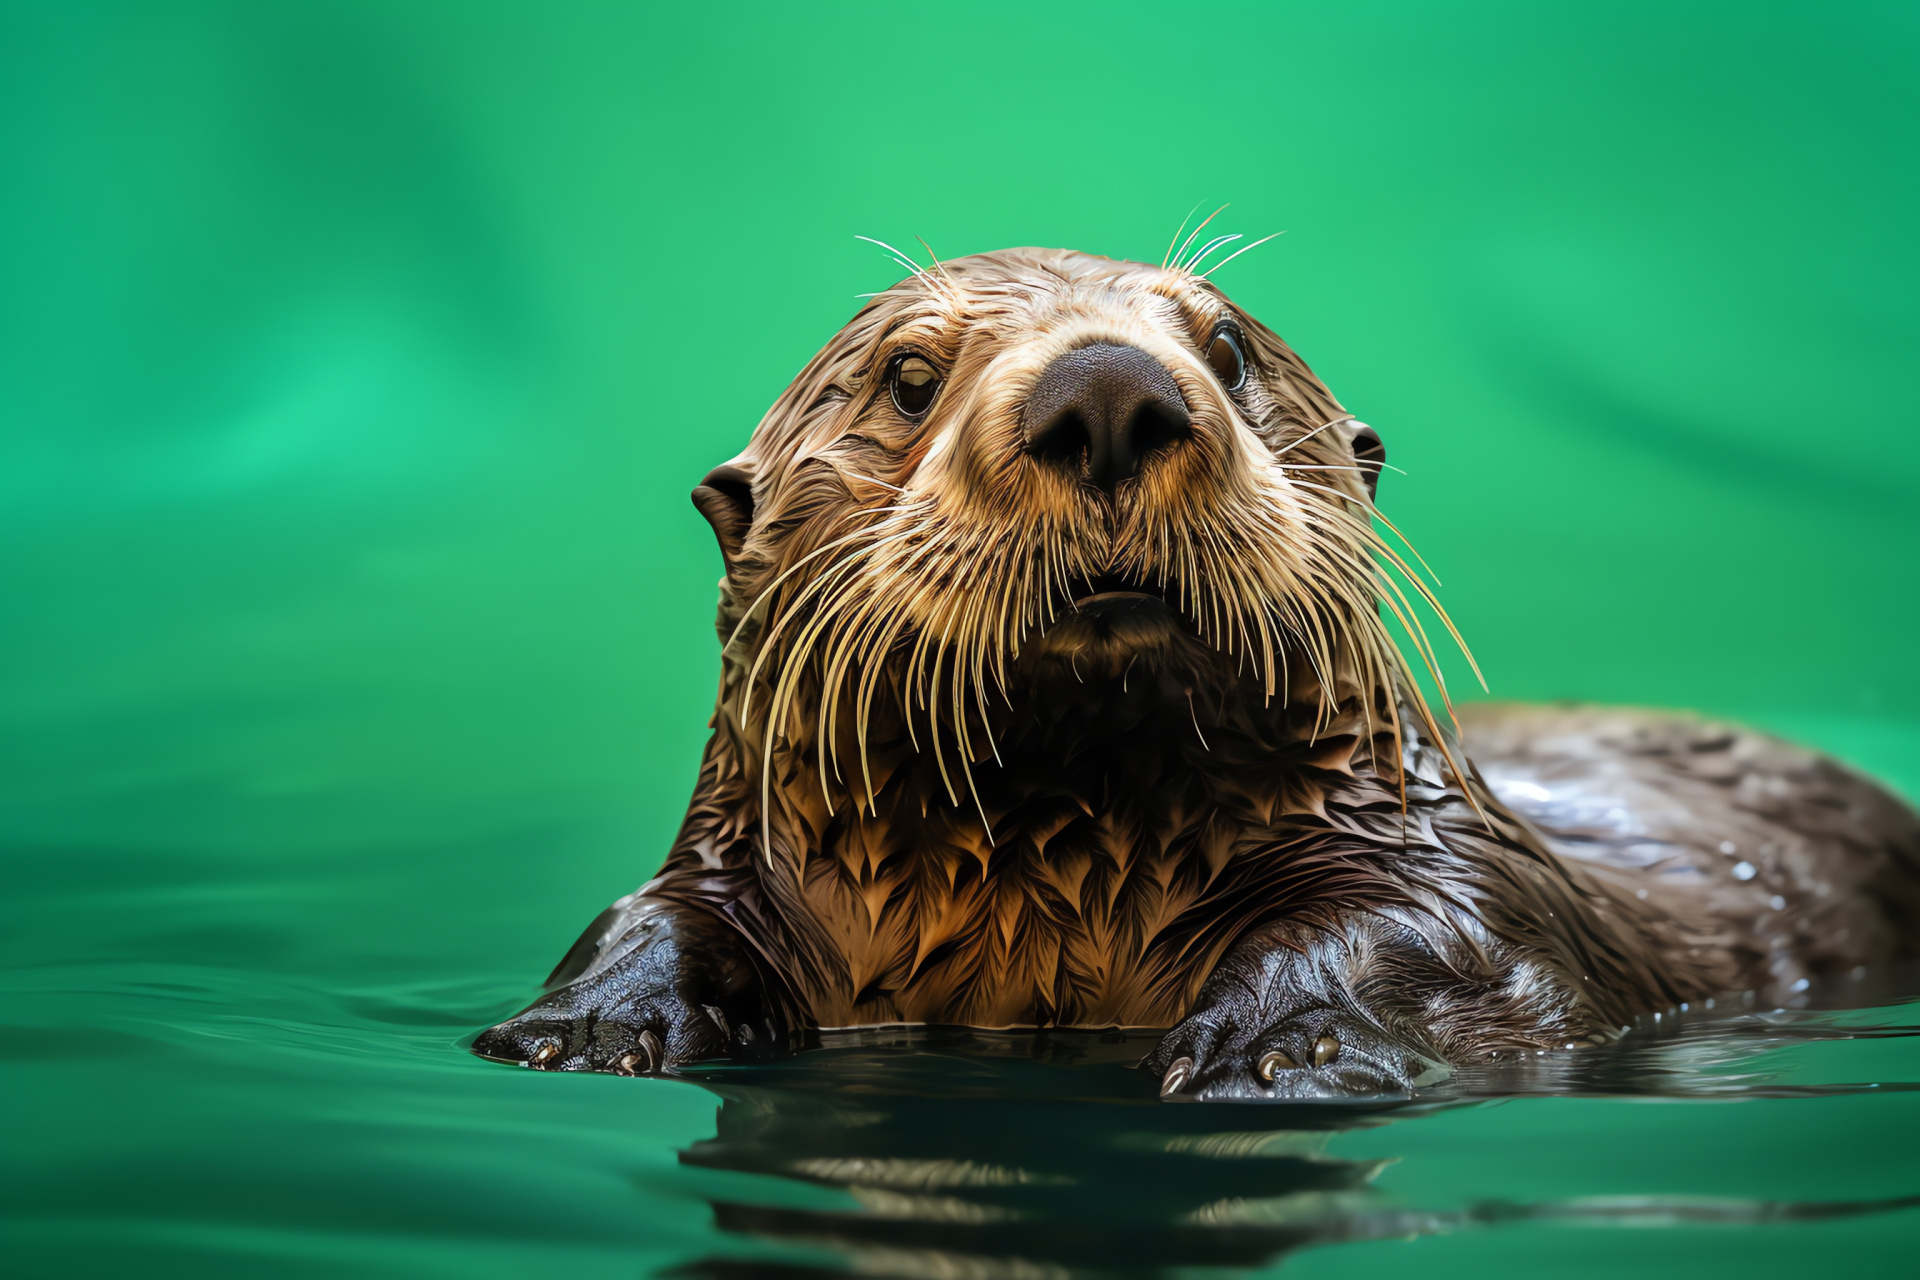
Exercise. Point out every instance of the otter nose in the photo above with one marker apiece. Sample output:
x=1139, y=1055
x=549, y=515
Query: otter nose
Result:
x=1101, y=411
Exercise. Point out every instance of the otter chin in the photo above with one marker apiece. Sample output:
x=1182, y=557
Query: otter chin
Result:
x=1106, y=631
x=1059, y=688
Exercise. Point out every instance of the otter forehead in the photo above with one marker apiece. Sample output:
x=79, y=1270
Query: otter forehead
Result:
x=964, y=311
x=931, y=382
x=993, y=298
x=1044, y=276
x=1053, y=271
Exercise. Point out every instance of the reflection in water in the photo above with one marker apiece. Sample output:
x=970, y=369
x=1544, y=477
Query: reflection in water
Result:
x=949, y=1153
x=977, y=1154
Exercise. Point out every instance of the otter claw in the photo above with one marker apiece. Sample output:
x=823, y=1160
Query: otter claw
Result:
x=1177, y=1076
x=644, y=1061
x=1274, y=1063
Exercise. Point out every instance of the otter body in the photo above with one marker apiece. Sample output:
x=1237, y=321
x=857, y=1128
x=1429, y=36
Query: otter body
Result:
x=1055, y=693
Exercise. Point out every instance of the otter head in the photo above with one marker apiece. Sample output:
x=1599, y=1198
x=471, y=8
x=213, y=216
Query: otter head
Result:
x=1019, y=483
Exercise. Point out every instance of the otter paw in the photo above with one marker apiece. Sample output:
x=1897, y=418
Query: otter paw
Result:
x=1312, y=1053
x=636, y=1017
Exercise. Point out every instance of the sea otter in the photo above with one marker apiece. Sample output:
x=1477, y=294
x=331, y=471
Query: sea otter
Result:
x=1057, y=690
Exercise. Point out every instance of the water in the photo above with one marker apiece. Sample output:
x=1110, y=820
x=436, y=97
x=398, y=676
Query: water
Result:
x=204, y=1080
x=961, y=1153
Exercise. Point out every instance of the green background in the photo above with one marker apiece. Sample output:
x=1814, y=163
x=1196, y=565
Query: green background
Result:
x=356, y=360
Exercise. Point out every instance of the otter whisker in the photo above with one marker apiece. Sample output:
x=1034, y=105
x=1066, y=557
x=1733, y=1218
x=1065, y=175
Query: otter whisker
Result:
x=1432, y=665
x=1248, y=617
x=1316, y=643
x=1279, y=453
x=1167, y=257
x=933, y=726
x=1222, y=567
x=783, y=657
x=869, y=686
x=966, y=742
x=1003, y=640
x=1380, y=545
x=940, y=266
x=903, y=260
x=1196, y=722
x=781, y=703
x=1408, y=543
x=1373, y=512
x=849, y=645
x=778, y=705
x=827, y=714
x=768, y=645
x=981, y=645
x=915, y=674
x=1370, y=468
x=1425, y=645
x=870, y=480
x=767, y=591
x=833, y=586
x=1215, y=243
x=966, y=665
x=1196, y=232
x=1237, y=252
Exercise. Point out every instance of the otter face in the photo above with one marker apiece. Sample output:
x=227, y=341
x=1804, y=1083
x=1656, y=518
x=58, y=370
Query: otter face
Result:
x=1036, y=465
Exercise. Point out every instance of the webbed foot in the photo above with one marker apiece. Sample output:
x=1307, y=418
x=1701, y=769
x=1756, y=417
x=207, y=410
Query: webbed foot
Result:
x=1270, y=1024
x=668, y=999
x=1313, y=1053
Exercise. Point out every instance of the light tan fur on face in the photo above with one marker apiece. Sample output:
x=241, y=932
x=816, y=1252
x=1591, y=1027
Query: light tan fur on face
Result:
x=946, y=542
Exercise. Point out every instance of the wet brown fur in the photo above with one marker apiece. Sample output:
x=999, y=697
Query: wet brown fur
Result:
x=934, y=793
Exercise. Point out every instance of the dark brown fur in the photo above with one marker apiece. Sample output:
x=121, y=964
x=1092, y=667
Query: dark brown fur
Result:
x=914, y=810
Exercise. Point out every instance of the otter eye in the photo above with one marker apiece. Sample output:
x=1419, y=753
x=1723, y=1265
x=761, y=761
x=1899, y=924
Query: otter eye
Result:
x=1228, y=361
x=914, y=383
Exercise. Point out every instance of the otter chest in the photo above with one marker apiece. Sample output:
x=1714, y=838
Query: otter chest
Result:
x=1059, y=931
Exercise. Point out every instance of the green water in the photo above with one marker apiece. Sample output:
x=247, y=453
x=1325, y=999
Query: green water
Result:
x=355, y=640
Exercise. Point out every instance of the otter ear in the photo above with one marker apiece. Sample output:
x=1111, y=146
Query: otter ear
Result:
x=725, y=498
x=1369, y=452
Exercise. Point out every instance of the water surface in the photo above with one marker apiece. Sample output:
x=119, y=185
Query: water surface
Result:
x=215, y=1073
